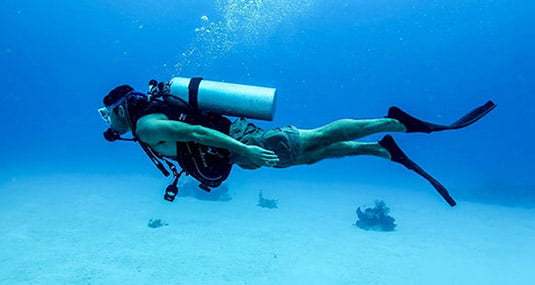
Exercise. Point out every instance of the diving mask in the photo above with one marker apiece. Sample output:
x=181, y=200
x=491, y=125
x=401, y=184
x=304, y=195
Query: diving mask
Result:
x=105, y=112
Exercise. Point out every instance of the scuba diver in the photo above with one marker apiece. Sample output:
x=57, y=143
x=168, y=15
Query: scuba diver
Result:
x=183, y=121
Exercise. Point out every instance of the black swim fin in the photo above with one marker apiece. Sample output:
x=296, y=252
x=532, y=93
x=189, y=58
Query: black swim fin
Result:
x=400, y=157
x=416, y=125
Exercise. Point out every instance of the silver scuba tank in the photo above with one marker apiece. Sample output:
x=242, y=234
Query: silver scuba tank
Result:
x=226, y=98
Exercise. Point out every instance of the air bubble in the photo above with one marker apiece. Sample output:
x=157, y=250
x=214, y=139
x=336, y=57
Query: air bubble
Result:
x=243, y=23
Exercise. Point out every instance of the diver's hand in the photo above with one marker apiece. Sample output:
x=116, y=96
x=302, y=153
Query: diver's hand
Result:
x=260, y=156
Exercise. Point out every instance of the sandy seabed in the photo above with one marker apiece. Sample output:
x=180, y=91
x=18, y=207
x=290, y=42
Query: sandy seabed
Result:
x=92, y=229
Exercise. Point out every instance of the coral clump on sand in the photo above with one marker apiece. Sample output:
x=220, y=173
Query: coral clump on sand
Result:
x=266, y=203
x=375, y=219
x=156, y=223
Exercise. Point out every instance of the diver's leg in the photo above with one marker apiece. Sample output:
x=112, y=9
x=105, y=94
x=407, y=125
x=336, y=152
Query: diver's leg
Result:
x=347, y=130
x=341, y=149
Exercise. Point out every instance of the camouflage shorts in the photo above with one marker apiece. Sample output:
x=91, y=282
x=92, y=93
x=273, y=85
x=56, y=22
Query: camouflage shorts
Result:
x=284, y=142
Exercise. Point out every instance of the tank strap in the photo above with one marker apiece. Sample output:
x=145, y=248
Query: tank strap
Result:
x=193, y=92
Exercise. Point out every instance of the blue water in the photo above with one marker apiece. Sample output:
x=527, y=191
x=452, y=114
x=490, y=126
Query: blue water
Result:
x=328, y=60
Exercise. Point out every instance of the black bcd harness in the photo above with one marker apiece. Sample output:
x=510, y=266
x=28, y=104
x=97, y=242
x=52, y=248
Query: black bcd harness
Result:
x=208, y=165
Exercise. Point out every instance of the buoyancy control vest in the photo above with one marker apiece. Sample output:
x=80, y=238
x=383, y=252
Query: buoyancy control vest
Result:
x=208, y=165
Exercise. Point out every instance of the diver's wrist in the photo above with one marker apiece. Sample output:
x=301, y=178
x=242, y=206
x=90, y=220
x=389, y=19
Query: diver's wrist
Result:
x=243, y=149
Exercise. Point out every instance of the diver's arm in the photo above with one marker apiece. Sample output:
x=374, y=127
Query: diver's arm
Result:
x=152, y=130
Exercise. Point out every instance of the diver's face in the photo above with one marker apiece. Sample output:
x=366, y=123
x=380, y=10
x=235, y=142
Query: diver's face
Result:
x=118, y=121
